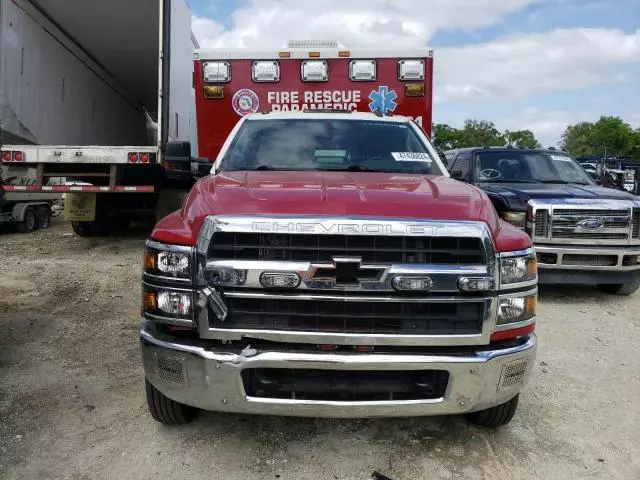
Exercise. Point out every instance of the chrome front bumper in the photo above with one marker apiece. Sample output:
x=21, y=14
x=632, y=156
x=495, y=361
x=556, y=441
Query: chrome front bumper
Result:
x=210, y=378
x=560, y=251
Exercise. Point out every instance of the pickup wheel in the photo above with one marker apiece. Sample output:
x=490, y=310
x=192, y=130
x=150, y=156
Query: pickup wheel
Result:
x=620, y=288
x=29, y=222
x=167, y=411
x=495, y=416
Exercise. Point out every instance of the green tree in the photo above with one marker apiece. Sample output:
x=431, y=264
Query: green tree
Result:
x=610, y=136
x=445, y=137
x=521, y=138
x=478, y=133
x=578, y=139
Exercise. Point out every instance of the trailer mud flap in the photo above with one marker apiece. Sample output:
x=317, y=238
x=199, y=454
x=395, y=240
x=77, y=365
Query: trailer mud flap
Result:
x=80, y=207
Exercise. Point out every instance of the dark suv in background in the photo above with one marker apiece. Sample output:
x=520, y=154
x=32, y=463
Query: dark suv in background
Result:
x=583, y=233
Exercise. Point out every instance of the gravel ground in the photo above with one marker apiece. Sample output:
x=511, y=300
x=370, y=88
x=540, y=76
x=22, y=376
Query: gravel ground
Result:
x=72, y=400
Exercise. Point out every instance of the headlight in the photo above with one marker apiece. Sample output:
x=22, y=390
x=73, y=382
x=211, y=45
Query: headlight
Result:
x=516, y=309
x=516, y=268
x=173, y=262
x=517, y=219
x=171, y=306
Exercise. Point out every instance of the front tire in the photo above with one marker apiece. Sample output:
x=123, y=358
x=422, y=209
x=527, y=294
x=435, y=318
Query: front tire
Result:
x=167, y=411
x=620, y=288
x=495, y=416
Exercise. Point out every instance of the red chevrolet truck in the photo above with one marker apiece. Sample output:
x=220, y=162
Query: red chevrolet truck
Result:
x=329, y=267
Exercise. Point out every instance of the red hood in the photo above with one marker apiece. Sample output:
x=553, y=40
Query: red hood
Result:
x=328, y=194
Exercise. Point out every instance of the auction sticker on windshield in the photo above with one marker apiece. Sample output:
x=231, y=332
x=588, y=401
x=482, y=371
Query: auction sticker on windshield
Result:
x=411, y=157
x=560, y=158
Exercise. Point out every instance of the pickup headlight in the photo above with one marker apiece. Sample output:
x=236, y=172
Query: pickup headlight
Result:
x=517, y=268
x=173, y=262
x=517, y=219
x=516, y=309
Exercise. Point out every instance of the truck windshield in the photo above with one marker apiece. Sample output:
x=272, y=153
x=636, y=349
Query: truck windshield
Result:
x=329, y=145
x=534, y=167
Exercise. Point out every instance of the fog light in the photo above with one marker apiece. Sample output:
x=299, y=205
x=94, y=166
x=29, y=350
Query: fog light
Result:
x=516, y=309
x=174, y=303
x=279, y=280
x=412, y=283
x=476, y=284
x=228, y=276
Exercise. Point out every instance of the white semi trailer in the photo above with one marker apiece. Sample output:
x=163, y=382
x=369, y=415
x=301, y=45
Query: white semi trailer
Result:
x=99, y=92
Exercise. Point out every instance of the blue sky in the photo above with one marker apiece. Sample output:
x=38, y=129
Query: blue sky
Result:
x=537, y=64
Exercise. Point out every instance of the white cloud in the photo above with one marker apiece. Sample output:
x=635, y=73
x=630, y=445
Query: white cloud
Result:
x=508, y=67
x=400, y=23
x=519, y=65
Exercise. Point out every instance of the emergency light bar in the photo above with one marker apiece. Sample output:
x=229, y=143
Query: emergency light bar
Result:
x=265, y=71
x=216, y=72
x=314, y=71
x=362, y=70
x=411, y=70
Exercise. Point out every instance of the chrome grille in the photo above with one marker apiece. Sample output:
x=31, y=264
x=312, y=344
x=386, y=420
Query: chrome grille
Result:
x=372, y=249
x=636, y=223
x=331, y=316
x=541, y=223
x=590, y=260
x=566, y=224
x=234, y=252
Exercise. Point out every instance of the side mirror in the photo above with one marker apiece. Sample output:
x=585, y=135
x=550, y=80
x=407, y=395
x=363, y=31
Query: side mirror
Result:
x=457, y=174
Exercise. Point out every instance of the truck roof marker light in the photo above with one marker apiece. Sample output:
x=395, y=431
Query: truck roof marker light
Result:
x=344, y=54
x=314, y=54
x=284, y=54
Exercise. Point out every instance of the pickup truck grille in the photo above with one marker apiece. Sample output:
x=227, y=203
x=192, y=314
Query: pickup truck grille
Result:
x=345, y=268
x=372, y=249
x=331, y=316
x=569, y=224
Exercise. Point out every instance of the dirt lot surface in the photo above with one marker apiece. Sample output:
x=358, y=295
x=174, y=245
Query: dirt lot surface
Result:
x=72, y=403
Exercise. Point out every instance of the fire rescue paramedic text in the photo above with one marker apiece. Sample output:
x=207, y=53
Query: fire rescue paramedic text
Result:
x=334, y=99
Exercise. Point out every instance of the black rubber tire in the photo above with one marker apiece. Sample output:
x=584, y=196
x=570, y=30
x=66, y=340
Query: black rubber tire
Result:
x=43, y=217
x=621, y=288
x=496, y=416
x=29, y=223
x=95, y=228
x=167, y=411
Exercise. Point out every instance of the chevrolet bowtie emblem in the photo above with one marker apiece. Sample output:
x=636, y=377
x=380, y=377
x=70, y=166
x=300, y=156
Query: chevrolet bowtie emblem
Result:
x=345, y=271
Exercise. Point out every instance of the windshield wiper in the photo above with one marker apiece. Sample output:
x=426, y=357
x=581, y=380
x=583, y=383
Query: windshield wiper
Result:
x=263, y=168
x=508, y=180
x=353, y=168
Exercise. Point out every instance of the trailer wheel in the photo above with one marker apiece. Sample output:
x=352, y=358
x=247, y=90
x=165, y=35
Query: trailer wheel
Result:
x=28, y=223
x=620, y=288
x=43, y=217
x=167, y=411
x=495, y=416
x=95, y=228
